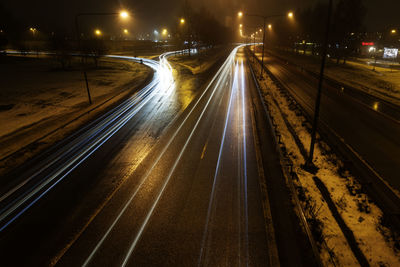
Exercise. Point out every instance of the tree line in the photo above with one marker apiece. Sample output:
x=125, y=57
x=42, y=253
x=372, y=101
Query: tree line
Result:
x=346, y=23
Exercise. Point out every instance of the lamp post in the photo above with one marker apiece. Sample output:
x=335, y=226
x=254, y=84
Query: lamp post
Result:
x=264, y=18
x=309, y=163
x=122, y=14
x=253, y=35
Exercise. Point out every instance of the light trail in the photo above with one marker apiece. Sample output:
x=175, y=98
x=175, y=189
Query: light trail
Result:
x=149, y=214
x=245, y=163
x=219, y=77
x=68, y=158
x=217, y=168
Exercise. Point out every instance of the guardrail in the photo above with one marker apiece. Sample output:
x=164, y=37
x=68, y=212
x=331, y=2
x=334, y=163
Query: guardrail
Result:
x=287, y=172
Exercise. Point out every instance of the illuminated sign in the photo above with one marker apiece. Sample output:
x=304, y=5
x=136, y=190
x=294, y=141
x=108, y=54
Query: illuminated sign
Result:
x=390, y=52
x=367, y=43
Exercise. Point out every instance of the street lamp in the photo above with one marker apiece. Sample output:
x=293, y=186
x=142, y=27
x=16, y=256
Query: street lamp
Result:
x=241, y=14
x=97, y=32
x=182, y=21
x=394, y=31
x=124, y=14
x=270, y=26
x=126, y=31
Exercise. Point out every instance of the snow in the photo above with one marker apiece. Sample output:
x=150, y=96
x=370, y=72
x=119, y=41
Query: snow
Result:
x=383, y=82
x=43, y=97
x=369, y=233
x=199, y=62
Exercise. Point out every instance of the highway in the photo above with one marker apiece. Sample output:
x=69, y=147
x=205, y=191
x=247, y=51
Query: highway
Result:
x=371, y=127
x=172, y=180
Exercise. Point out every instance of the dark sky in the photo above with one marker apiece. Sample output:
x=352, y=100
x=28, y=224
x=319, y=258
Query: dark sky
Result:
x=152, y=14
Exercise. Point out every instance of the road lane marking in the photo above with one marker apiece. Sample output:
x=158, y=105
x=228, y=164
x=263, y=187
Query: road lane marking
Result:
x=245, y=165
x=98, y=245
x=204, y=150
x=149, y=214
x=212, y=194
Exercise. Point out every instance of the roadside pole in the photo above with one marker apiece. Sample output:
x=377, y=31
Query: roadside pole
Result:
x=87, y=87
x=262, y=57
x=309, y=165
x=78, y=35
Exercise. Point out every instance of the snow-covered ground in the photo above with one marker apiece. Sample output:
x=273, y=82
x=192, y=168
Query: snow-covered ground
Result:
x=199, y=62
x=359, y=214
x=37, y=97
x=381, y=82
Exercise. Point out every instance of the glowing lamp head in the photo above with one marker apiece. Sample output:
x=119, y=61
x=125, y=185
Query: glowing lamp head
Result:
x=182, y=21
x=164, y=32
x=290, y=15
x=240, y=14
x=394, y=31
x=270, y=26
x=126, y=31
x=97, y=32
x=123, y=14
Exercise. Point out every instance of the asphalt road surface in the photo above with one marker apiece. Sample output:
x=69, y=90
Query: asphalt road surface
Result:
x=369, y=127
x=176, y=185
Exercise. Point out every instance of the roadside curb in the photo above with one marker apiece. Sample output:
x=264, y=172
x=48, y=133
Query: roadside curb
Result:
x=284, y=166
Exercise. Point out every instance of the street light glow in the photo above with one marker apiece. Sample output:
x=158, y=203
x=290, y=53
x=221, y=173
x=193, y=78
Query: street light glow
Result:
x=182, y=21
x=270, y=26
x=241, y=25
x=126, y=31
x=240, y=14
x=124, y=14
x=290, y=15
x=164, y=32
x=97, y=32
x=394, y=31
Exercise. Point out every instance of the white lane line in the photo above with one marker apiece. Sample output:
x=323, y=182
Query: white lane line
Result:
x=212, y=195
x=107, y=233
x=149, y=214
x=142, y=98
x=130, y=103
x=71, y=165
x=245, y=166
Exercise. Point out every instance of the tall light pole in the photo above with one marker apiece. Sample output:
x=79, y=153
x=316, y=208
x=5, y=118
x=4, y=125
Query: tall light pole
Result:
x=264, y=18
x=309, y=163
x=253, y=35
x=123, y=14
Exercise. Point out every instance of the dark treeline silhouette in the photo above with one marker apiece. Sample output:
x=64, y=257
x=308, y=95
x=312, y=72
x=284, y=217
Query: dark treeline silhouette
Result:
x=201, y=29
x=308, y=31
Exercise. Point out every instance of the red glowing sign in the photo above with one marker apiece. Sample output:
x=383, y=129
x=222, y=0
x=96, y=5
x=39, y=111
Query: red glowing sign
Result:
x=367, y=43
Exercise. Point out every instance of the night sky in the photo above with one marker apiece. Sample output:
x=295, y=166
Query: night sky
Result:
x=152, y=14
